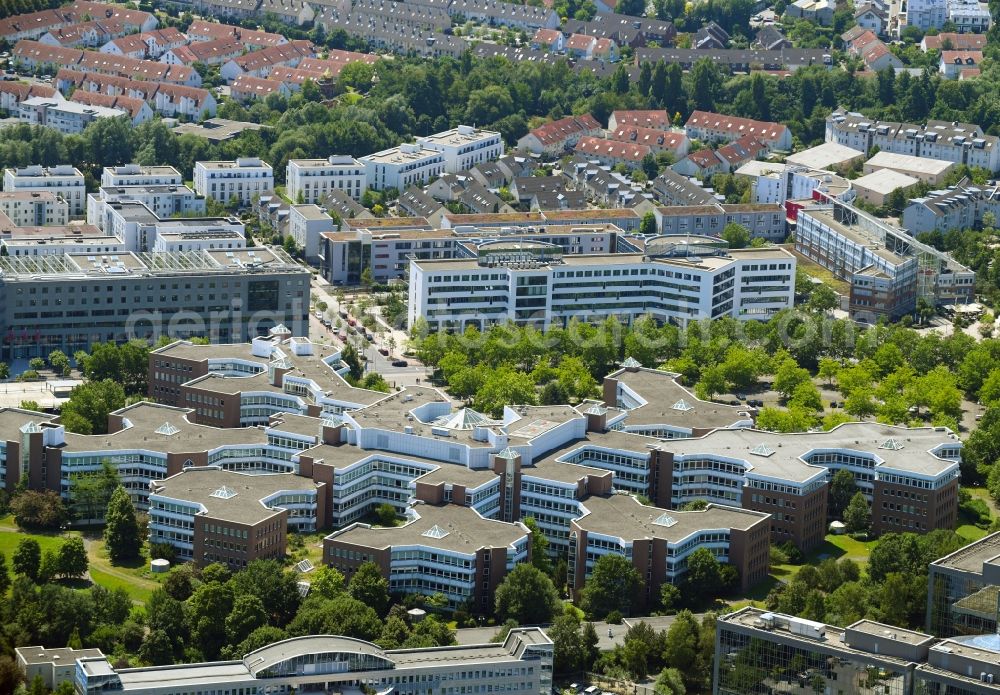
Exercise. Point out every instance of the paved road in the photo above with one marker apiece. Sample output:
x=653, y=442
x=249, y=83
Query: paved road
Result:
x=480, y=635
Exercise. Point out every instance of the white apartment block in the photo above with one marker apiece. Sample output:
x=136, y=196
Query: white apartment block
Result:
x=305, y=224
x=64, y=180
x=142, y=230
x=313, y=179
x=245, y=179
x=464, y=147
x=137, y=175
x=533, y=283
x=403, y=166
x=776, y=183
x=962, y=143
x=164, y=200
x=969, y=16
x=34, y=208
x=926, y=14
x=68, y=117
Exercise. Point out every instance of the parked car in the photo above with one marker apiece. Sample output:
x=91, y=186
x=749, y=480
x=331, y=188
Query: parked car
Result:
x=400, y=363
x=384, y=351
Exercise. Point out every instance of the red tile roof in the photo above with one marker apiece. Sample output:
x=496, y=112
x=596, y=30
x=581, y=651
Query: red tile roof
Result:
x=647, y=119
x=612, y=149
x=655, y=139
x=733, y=125
x=556, y=131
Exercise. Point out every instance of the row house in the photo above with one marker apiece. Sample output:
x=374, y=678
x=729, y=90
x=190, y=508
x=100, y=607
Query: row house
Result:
x=714, y=127
x=248, y=88
x=739, y=59
x=234, y=9
x=292, y=78
x=293, y=12
x=674, y=142
x=151, y=44
x=171, y=100
x=134, y=21
x=13, y=93
x=549, y=40
x=649, y=119
x=259, y=63
x=34, y=55
x=85, y=35
x=207, y=52
x=137, y=109
x=613, y=152
x=724, y=160
x=625, y=30
x=559, y=135
x=496, y=13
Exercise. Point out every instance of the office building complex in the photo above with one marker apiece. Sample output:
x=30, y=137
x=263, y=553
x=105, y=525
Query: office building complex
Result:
x=962, y=143
x=758, y=651
x=963, y=588
x=73, y=300
x=534, y=283
x=388, y=253
x=197, y=511
x=243, y=179
x=311, y=180
x=323, y=454
x=142, y=230
x=522, y=663
x=65, y=181
x=888, y=269
x=659, y=541
x=446, y=550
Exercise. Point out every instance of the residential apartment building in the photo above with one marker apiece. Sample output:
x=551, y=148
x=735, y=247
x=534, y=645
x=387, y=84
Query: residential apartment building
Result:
x=141, y=230
x=464, y=147
x=243, y=179
x=73, y=300
x=961, y=206
x=777, y=183
x=310, y=180
x=968, y=16
x=757, y=650
x=163, y=200
x=441, y=549
x=535, y=284
x=522, y=663
x=402, y=166
x=64, y=180
x=68, y=117
x=962, y=143
x=305, y=225
x=34, y=208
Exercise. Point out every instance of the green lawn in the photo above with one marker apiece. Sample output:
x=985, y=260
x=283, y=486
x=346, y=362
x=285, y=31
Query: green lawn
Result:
x=970, y=532
x=10, y=539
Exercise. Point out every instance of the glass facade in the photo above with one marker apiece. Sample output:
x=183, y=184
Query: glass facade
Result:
x=752, y=665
